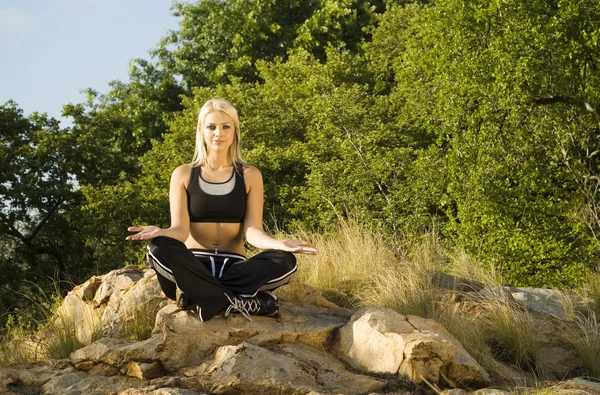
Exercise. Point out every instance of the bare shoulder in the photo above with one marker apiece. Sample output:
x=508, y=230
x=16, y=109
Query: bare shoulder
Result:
x=251, y=171
x=182, y=173
x=251, y=174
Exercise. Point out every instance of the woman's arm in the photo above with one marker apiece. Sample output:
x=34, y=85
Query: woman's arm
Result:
x=180, y=220
x=253, y=220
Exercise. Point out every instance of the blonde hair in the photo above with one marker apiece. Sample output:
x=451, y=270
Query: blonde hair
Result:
x=201, y=150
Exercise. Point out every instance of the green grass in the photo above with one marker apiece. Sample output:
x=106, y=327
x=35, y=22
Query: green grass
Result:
x=37, y=334
x=59, y=339
x=142, y=324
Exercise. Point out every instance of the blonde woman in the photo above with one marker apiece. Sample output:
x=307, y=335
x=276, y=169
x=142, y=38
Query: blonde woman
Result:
x=215, y=200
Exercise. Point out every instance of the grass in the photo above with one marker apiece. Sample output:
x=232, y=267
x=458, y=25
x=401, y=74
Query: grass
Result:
x=584, y=338
x=37, y=335
x=142, y=323
x=469, y=332
x=548, y=390
x=591, y=290
x=16, y=345
x=60, y=339
x=512, y=334
x=361, y=267
x=358, y=266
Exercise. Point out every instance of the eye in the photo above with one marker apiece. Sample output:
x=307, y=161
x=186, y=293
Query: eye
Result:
x=226, y=126
x=211, y=127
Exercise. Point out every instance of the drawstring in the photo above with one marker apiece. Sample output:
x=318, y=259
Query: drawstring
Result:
x=223, y=267
x=213, y=267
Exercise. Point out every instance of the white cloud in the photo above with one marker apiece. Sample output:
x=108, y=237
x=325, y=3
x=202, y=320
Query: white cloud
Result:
x=12, y=18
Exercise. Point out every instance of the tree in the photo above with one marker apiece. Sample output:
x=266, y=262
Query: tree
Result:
x=39, y=200
x=219, y=40
x=503, y=88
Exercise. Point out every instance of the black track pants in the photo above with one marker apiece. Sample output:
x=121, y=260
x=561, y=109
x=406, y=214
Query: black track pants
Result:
x=205, y=277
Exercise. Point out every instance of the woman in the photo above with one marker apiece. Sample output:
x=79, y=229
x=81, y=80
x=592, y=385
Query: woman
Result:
x=214, y=201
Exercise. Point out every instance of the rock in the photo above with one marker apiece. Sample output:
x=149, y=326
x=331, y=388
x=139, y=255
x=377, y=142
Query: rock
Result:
x=482, y=391
x=447, y=281
x=380, y=340
x=109, y=304
x=186, y=341
x=24, y=378
x=161, y=391
x=84, y=365
x=116, y=352
x=547, y=311
x=145, y=371
x=135, y=294
x=549, y=301
x=293, y=369
x=579, y=384
x=79, y=382
x=81, y=315
x=102, y=369
x=306, y=350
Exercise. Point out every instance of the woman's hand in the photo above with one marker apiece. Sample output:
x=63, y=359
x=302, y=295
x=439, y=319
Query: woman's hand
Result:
x=298, y=247
x=144, y=232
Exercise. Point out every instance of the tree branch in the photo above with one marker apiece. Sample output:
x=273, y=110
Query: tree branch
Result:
x=28, y=239
x=44, y=220
x=571, y=101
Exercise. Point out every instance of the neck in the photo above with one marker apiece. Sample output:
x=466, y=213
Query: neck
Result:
x=217, y=160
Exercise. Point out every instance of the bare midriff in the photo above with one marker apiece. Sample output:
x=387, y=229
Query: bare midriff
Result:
x=217, y=236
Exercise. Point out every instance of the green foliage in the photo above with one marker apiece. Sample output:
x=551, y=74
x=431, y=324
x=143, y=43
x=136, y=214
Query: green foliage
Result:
x=490, y=84
x=343, y=25
x=38, y=202
x=218, y=39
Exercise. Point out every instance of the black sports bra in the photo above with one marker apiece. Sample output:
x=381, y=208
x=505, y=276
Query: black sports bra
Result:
x=216, y=201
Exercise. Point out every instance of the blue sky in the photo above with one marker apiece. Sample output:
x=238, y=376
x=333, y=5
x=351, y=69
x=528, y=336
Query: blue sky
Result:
x=52, y=49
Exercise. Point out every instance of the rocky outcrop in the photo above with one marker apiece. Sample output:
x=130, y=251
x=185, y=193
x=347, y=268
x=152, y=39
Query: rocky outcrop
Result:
x=314, y=347
x=380, y=340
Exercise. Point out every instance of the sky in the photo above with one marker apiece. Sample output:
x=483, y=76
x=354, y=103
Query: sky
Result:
x=50, y=50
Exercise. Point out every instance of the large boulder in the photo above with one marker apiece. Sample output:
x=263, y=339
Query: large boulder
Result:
x=380, y=340
x=107, y=305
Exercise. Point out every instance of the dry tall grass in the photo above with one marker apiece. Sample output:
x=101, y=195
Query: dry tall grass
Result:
x=512, y=333
x=361, y=267
x=358, y=266
x=584, y=337
x=142, y=324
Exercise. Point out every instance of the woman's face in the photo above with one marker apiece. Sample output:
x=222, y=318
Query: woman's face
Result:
x=218, y=131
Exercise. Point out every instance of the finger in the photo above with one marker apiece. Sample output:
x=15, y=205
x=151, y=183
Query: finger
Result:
x=309, y=251
x=301, y=243
x=135, y=228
